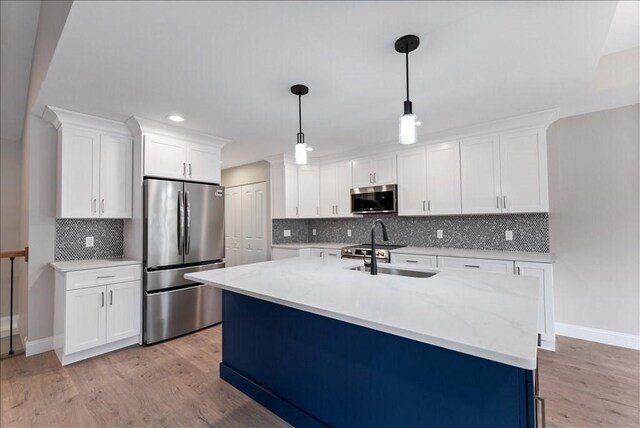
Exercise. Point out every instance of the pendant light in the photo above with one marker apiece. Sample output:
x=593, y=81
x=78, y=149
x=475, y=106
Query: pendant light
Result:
x=301, y=146
x=408, y=123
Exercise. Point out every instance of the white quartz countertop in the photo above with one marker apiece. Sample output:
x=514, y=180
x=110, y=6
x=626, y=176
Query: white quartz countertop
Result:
x=492, y=316
x=297, y=246
x=519, y=256
x=71, y=265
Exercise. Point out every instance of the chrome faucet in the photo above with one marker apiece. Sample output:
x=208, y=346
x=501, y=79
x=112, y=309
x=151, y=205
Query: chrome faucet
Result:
x=374, y=261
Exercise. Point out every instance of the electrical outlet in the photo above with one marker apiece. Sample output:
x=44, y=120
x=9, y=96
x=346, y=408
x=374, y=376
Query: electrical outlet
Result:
x=88, y=241
x=508, y=235
x=287, y=233
x=439, y=234
x=348, y=232
x=313, y=232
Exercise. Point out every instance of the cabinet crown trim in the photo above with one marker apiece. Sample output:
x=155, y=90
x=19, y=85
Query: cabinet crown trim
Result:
x=60, y=117
x=139, y=126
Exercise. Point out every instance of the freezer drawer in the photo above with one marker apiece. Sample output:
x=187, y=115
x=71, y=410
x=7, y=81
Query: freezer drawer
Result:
x=173, y=313
x=169, y=278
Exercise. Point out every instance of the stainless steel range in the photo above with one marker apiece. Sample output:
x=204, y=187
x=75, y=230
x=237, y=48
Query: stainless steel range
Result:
x=363, y=251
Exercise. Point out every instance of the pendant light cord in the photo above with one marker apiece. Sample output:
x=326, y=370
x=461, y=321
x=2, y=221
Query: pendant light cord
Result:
x=407, y=65
x=300, y=111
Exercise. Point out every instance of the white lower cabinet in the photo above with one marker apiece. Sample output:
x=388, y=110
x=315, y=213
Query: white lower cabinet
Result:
x=96, y=311
x=543, y=272
x=483, y=265
x=414, y=259
x=285, y=253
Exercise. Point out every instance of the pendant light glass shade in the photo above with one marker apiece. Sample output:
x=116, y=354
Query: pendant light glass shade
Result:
x=301, y=153
x=408, y=129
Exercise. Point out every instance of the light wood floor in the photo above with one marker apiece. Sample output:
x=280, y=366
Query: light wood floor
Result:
x=176, y=383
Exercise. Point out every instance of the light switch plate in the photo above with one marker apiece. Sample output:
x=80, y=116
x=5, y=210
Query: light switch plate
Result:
x=348, y=232
x=287, y=233
x=508, y=235
x=313, y=232
x=88, y=241
x=439, y=234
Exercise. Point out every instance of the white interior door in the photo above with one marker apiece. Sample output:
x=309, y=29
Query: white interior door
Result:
x=254, y=223
x=79, y=166
x=308, y=191
x=443, y=179
x=412, y=182
x=233, y=226
x=115, y=176
x=85, y=319
x=480, y=174
x=344, y=184
x=123, y=310
x=203, y=163
x=164, y=157
x=328, y=190
x=523, y=160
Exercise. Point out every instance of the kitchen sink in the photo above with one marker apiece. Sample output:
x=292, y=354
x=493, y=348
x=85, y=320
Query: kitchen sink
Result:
x=396, y=271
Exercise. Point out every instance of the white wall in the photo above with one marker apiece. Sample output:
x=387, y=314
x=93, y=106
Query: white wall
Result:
x=594, y=191
x=10, y=178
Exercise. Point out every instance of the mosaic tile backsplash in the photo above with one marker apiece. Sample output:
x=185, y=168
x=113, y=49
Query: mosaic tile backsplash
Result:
x=71, y=234
x=477, y=232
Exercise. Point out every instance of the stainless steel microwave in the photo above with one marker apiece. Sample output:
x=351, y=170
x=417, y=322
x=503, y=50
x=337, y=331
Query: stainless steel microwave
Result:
x=374, y=199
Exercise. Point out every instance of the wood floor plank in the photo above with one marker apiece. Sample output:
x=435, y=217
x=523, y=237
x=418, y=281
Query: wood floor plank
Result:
x=176, y=383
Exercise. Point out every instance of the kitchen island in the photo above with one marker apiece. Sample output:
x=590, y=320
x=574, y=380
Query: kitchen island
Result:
x=322, y=345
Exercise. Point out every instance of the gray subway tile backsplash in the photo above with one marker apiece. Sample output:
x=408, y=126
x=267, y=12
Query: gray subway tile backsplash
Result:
x=71, y=233
x=485, y=232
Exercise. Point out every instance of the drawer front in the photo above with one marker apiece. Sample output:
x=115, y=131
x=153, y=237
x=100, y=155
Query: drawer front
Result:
x=414, y=259
x=333, y=254
x=95, y=277
x=497, y=266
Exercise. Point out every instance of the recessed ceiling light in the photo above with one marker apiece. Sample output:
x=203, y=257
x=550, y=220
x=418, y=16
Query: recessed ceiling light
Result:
x=309, y=149
x=176, y=118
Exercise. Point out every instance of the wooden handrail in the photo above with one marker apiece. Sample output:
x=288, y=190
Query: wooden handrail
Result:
x=17, y=253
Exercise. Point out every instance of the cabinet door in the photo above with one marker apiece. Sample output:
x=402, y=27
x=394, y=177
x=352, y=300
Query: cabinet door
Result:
x=164, y=157
x=115, y=176
x=283, y=253
x=328, y=190
x=412, y=182
x=233, y=226
x=308, y=191
x=480, y=173
x=203, y=163
x=123, y=310
x=254, y=223
x=443, y=179
x=384, y=169
x=78, y=173
x=85, y=319
x=344, y=184
x=523, y=168
x=483, y=265
x=362, y=172
x=290, y=191
x=544, y=274
x=317, y=252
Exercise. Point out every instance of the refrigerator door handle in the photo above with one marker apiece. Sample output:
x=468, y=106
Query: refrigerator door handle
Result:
x=180, y=223
x=187, y=203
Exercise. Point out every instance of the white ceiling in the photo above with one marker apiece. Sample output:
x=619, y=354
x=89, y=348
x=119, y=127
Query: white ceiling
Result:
x=18, y=28
x=227, y=66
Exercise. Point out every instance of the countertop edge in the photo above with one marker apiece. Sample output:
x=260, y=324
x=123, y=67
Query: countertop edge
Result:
x=63, y=266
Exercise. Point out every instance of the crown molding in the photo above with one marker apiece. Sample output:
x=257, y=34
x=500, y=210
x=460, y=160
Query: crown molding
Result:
x=139, y=125
x=60, y=118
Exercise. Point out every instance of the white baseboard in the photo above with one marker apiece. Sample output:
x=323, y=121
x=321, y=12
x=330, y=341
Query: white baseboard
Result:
x=39, y=346
x=4, y=326
x=597, y=335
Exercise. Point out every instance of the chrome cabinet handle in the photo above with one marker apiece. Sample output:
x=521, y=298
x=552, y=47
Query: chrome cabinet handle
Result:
x=190, y=169
x=184, y=169
x=105, y=276
x=370, y=178
x=424, y=205
x=297, y=211
x=187, y=228
x=517, y=270
x=93, y=206
x=374, y=177
x=102, y=206
x=111, y=297
x=429, y=205
x=317, y=210
x=102, y=299
x=472, y=266
x=180, y=223
x=504, y=202
x=411, y=261
x=498, y=202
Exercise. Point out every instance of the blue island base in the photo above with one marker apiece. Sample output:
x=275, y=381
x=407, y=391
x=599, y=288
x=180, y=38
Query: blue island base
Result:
x=316, y=371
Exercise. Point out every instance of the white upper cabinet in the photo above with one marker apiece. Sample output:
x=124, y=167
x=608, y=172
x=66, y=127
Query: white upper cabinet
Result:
x=412, y=182
x=291, y=190
x=376, y=170
x=443, y=179
x=167, y=157
x=335, y=189
x=523, y=168
x=95, y=172
x=480, y=175
x=308, y=191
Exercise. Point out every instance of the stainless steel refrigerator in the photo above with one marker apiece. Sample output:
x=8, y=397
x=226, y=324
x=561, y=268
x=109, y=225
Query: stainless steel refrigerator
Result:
x=183, y=233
